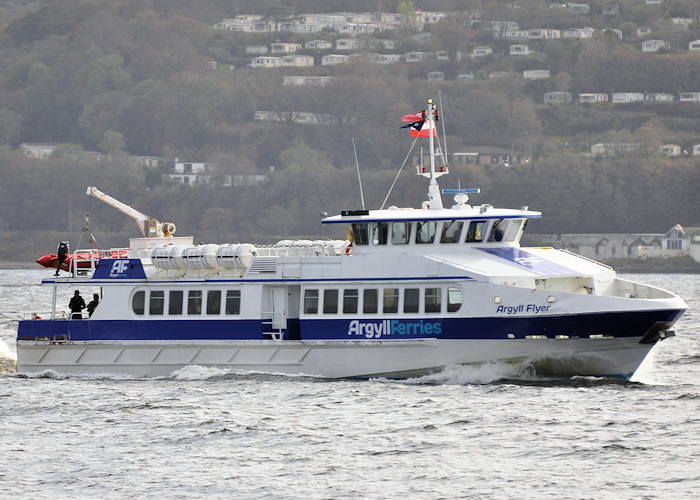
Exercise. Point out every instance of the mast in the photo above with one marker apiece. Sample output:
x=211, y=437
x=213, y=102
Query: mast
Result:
x=434, y=198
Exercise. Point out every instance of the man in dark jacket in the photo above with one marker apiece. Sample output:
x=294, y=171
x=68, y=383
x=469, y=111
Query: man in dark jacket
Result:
x=76, y=304
x=93, y=304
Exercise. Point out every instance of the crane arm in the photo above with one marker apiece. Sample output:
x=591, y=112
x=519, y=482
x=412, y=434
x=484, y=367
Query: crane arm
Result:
x=148, y=226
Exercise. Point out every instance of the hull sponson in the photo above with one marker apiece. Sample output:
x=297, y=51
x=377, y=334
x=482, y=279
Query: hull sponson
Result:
x=335, y=359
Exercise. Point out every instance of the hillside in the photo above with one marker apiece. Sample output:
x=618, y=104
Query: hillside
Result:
x=126, y=78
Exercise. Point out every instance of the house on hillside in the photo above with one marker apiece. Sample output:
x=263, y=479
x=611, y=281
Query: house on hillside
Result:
x=557, y=97
x=694, y=46
x=347, y=44
x=519, y=50
x=655, y=45
x=331, y=59
x=39, y=151
x=624, y=97
x=659, y=97
x=689, y=97
x=537, y=74
x=284, y=48
x=592, y=98
x=487, y=156
x=318, y=44
x=297, y=61
x=676, y=242
x=672, y=150
x=481, y=51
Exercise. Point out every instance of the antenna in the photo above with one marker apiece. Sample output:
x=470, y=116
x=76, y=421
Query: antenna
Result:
x=444, y=135
x=359, y=178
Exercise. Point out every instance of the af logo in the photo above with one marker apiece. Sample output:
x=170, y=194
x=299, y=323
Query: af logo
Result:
x=528, y=261
x=119, y=269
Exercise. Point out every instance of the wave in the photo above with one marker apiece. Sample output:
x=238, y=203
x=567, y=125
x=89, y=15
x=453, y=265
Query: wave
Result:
x=51, y=374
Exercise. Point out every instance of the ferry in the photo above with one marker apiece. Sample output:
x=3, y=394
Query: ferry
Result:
x=410, y=292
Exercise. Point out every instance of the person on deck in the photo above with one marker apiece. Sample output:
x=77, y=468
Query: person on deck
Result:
x=76, y=304
x=93, y=304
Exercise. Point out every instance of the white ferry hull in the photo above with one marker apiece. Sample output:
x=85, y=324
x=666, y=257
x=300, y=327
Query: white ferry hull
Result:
x=335, y=359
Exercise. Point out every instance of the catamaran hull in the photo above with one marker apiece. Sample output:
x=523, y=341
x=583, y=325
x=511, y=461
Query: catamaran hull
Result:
x=618, y=357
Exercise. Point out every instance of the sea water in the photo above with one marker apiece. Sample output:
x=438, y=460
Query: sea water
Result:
x=492, y=431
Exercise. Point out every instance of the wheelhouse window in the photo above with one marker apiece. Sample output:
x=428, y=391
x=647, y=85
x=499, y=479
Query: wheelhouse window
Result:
x=311, y=302
x=330, y=301
x=156, y=302
x=233, y=302
x=450, y=231
x=214, y=302
x=194, y=302
x=360, y=234
x=513, y=230
x=175, y=302
x=400, y=233
x=369, y=301
x=454, y=299
x=351, y=297
x=425, y=232
x=411, y=297
x=476, y=231
x=391, y=300
x=381, y=233
x=498, y=230
x=433, y=300
x=138, y=302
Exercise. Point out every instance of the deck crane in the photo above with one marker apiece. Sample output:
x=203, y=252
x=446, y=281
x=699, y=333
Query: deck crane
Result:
x=150, y=227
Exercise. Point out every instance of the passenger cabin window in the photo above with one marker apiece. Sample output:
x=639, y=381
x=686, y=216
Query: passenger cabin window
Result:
x=175, y=302
x=451, y=230
x=330, y=301
x=369, y=301
x=433, y=300
x=311, y=302
x=498, y=230
x=214, y=302
x=381, y=233
x=391, y=300
x=411, y=297
x=194, y=302
x=351, y=298
x=360, y=234
x=476, y=231
x=425, y=232
x=138, y=302
x=156, y=303
x=513, y=229
x=233, y=301
x=400, y=233
x=454, y=299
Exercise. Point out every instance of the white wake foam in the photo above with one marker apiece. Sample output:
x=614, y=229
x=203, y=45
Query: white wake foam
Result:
x=484, y=373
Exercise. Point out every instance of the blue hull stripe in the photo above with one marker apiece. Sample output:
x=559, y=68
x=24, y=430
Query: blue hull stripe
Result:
x=626, y=324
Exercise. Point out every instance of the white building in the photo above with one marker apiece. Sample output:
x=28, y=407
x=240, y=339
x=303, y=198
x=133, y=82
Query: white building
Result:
x=331, y=59
x=537, y=74
x=519, y=50
x=481, y=51
x=266, y=62
x=317, y=81
x=284, y=48
x=694, y=46
x=318, y=44
x=592, y=98
x=654, y=45
x=689, y=97
x=298, y=61
x=659, y=97
x=623, y=97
